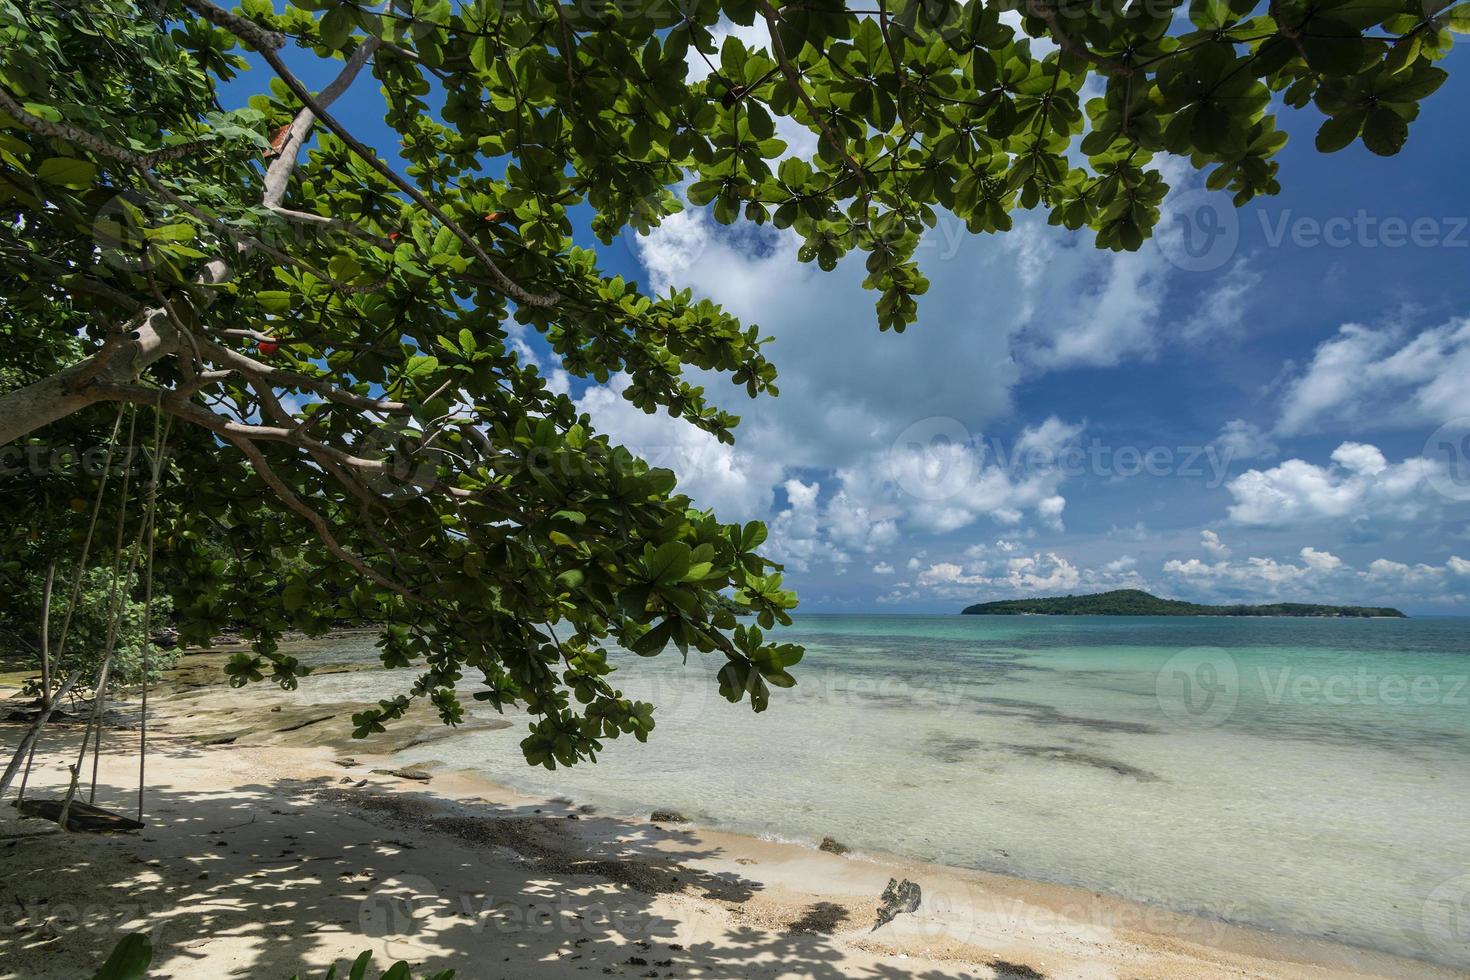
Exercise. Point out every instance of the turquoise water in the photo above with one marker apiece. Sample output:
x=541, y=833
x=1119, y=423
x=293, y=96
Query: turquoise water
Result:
x=1306, y=776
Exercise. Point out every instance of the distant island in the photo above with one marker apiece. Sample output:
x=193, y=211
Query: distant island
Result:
x=1136, y=602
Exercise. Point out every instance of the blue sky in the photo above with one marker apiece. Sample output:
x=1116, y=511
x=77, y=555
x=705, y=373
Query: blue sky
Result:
x=1260, y=405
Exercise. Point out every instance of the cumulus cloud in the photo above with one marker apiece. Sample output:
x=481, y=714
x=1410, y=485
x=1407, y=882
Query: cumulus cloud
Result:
x=1242, y=440
x=1260, y=578
x=1318, y=576
x=1116, y=322
x=796, y=539
x=1042, y=572
x=1320, y=561
x=737, y=482
x=944, y=486
x=1031, y=573
x=1418, y=573
x=1381, y=378
x=1358, y=483
x=1211, y=542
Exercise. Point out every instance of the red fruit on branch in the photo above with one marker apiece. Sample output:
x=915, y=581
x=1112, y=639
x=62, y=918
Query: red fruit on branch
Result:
x=494, y=216
x=267, y=347
x=392, y=236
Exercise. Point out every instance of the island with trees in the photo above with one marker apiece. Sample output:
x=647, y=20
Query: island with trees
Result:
x=1136, y=602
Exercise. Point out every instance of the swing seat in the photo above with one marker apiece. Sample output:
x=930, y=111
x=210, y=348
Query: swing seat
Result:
x=83, y=816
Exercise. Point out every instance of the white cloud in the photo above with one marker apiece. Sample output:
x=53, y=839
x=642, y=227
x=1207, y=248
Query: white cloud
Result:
x=883, y=568
x=1320, y=561
x=1211, y=542
x=1040, y=573
x=946, y=486
x=1382, y=378
x=1116, y=321
x=1419, y=573
x=1051, y=300
x=1222, y=308
x=1358, y=457
x=1359, y=483
x=1241, y=440
x=734, y=481
x=1319, y=577
x=1257, y=572
x=796, y=532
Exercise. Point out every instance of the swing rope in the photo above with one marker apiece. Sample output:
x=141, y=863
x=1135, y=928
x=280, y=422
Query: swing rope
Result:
x=117, y=602
x=160, y=448
x=99, y=694
x=123, y=580
x=48, y=701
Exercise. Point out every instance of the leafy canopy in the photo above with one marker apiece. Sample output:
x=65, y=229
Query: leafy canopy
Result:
x=333, y=329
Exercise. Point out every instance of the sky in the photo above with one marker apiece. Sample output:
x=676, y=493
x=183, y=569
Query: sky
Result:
x=1263, y=404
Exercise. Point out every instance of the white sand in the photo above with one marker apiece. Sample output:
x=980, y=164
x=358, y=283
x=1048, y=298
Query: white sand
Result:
x=265, y=858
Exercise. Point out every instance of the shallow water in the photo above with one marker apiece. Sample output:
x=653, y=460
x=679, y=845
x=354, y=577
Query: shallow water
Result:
x=1310, y=776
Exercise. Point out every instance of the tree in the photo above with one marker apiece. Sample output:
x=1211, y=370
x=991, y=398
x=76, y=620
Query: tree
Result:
x=333, y=332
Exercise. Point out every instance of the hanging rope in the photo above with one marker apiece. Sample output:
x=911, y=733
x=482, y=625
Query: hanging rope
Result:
x=118, y=603
x=49, y=702
x=99, y=694
x=160, y=449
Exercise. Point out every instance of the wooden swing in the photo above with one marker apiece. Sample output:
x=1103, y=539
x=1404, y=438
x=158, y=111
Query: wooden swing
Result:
x=69, y=813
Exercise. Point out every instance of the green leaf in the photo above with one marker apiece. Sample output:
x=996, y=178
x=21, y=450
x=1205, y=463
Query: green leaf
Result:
x=274, y=300
x=420, y=367
x=129, y=959
x=1338, y=131
x=753, y=536
x=67, y=172
x=1384, y=131
x=652, y=643
x=668, y=564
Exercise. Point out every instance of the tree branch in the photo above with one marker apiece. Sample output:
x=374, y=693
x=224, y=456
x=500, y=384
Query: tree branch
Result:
x=793, y=78
x=1047, y=11
x=504, y=283
x=278, y=175
x=281, y=378
x=262, y=467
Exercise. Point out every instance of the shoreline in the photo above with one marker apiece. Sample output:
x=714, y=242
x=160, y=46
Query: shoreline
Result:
x=793, y=909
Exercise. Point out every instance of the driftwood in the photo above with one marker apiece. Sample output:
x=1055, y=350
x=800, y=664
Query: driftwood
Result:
x=898, y=897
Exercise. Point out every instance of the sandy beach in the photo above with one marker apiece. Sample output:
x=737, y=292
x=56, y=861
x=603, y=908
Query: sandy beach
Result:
x=277, y=845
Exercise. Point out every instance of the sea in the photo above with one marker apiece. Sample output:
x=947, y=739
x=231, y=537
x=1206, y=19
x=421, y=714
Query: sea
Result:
x=1306, y=776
